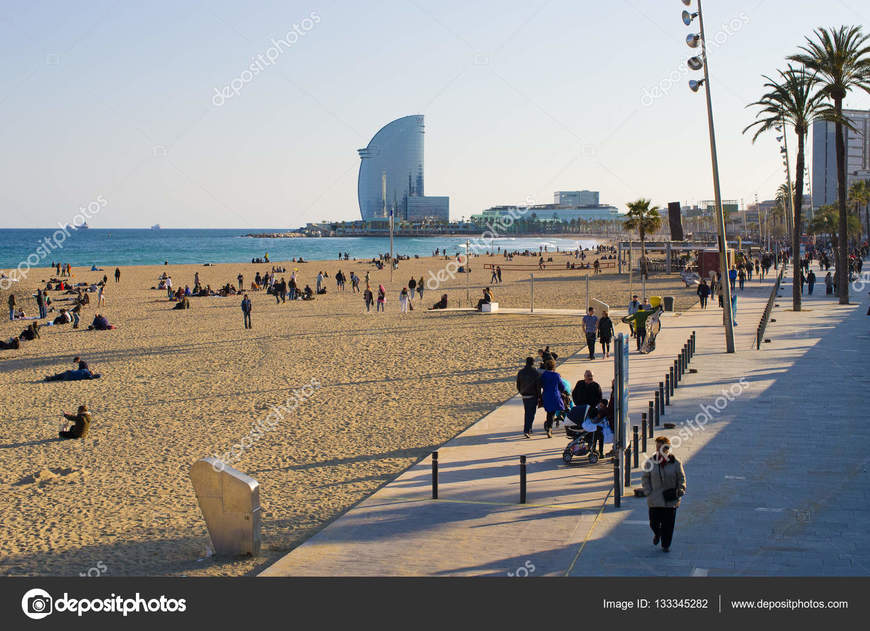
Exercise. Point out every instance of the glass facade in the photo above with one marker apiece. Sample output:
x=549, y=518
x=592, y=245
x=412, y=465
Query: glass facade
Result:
x=396, y=152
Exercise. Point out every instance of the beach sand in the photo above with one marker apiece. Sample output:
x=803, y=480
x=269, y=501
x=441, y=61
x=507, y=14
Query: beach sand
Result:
x=181, y=385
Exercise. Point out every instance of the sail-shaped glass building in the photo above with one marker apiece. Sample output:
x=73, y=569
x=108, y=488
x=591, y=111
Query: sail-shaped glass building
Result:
x=391, y=175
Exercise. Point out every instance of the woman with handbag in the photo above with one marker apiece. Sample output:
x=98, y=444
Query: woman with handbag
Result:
x=664, y=483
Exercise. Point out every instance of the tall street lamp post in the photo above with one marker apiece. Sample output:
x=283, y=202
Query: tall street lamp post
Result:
x=698, y=63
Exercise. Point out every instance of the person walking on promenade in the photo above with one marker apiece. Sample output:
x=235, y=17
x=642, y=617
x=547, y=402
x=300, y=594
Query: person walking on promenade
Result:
x=590, y=326
x=811, y=282
x=11, y=302
x=368, y=298
x=493, y=278
x=703, y=293
x=587, y=391
x=741, y=277
x=605, y=333
x=529, y=387
x=552, y=389
x=732, y=278
x=382, y=299
x=246, y=311
x=664, y=483
x=829, y=284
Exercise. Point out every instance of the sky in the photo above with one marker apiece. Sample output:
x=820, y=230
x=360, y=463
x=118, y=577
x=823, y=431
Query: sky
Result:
x=146, y=110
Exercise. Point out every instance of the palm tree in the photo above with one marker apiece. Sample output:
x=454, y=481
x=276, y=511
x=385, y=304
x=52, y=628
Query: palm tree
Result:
x=841, y=59
x=859, y=195
x=646, y=220
x=792, y=101
x=825, y=222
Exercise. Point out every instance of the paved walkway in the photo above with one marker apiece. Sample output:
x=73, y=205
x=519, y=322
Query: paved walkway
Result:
x=777, y=481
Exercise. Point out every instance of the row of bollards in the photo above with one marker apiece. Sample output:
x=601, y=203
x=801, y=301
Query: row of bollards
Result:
x=656, y=408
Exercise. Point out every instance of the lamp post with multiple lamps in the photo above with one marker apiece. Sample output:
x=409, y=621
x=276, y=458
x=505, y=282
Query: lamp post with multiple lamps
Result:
x=700, y=63
x=785, y=162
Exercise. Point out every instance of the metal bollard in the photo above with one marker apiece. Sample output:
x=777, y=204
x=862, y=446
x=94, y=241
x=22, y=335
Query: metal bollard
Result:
x=634, y=450
x=434, y=475
x=650, y=413
x=657, y=410
x=643, y=424
x=627, y=467
x=661, y=398
x=668, y=389
x=522, y=479
x=694, y=339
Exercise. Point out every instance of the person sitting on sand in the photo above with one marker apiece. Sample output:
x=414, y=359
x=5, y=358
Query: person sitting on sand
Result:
x=100, y=323
x=31, y=332
x=81, y=423
x=441, y=304
x=184, y=303
x=308, y=294
x=63, y=318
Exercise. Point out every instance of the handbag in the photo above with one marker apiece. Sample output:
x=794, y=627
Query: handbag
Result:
x=670, y=495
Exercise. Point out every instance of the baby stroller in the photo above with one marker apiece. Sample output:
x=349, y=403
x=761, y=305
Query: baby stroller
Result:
x=583, y=442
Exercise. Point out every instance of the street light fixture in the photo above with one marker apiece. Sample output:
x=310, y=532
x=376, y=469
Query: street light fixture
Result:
x=695, y=63
x=693, y=40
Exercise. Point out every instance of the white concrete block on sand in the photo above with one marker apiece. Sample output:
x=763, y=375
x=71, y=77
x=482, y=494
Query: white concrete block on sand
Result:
x=752, y=454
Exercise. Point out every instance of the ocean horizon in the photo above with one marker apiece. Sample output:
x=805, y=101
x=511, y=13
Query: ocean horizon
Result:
x=137, y=246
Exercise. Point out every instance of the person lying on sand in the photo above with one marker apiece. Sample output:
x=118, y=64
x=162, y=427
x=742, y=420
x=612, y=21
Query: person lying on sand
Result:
x=77, y=374
x=13, y=343
x=81, y=423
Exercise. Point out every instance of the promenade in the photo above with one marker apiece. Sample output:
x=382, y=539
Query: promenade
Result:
x=777, y=479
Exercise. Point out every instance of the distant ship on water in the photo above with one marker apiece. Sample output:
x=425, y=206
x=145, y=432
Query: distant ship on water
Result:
x=84, y=226
x=156, y=226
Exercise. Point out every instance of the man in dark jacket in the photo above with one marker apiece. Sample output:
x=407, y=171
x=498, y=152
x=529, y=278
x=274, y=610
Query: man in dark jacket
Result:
x=587, y=391
x=246, y=311
x=529, y=387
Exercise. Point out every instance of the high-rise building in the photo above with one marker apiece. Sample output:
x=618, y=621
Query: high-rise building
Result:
x=576, y=199
x=391, y=175
x=825, y=156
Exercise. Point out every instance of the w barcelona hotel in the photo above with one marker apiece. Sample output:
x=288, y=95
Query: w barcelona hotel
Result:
x=391, y=176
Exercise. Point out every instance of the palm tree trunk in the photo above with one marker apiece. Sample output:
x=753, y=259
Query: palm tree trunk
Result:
x=843, y=255
x=796, y=234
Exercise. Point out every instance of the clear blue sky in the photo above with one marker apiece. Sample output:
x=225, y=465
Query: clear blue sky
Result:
x=521, y=98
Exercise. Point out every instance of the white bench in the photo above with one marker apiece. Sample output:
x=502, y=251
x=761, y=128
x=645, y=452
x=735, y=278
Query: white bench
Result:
x=489, y=307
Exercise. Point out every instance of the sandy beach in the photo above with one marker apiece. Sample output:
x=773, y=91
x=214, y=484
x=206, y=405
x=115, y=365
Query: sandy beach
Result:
x=181, y=385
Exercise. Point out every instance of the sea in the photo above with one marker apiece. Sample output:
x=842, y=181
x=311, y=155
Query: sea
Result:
x=103, y=247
